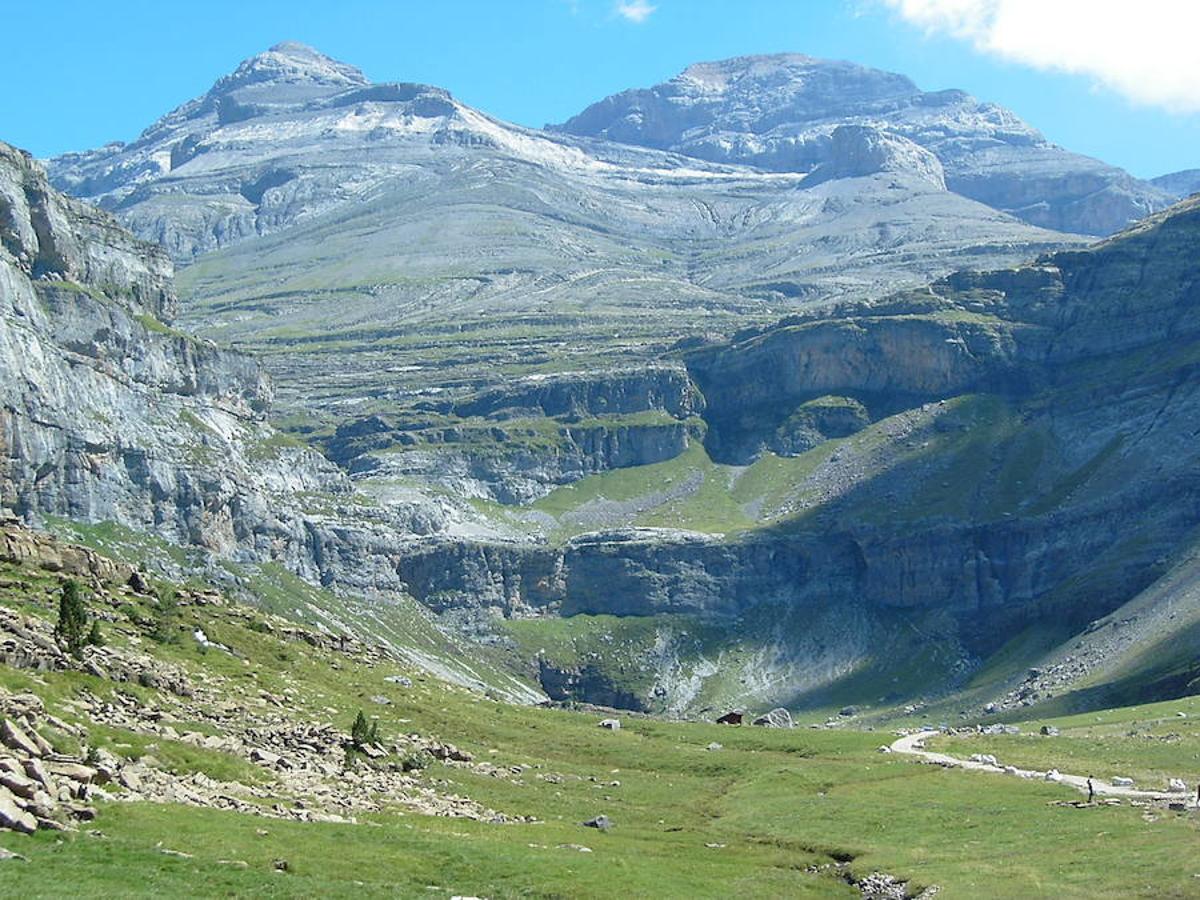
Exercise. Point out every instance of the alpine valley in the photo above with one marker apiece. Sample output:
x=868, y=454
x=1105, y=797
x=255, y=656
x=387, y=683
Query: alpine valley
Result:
x=783, y=385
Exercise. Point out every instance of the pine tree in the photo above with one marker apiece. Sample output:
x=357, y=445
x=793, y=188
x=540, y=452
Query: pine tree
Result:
x=165, y=612
x=72, y=618
x=360, y=731
x=95, y=638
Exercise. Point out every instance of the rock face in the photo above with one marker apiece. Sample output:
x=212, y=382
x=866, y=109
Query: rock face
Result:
x=513, y=444
x=655, y=387
x=783, y=113
x=108, y=413
x=856, y=151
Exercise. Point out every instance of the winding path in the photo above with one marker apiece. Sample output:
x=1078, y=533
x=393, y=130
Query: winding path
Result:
x=914, y=745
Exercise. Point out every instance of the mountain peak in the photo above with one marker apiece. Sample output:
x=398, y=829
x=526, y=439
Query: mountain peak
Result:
x=791, y=69
x=291, y=62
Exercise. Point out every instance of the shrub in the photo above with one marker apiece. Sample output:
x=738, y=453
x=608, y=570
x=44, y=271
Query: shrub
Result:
x=95, y=638
x=414, y=761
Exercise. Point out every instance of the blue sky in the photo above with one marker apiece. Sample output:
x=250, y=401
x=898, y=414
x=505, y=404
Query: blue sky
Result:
x=81, y=74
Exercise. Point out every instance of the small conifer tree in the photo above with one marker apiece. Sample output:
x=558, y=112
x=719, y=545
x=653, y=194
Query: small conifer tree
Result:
x=360, y=731
x=72, y=618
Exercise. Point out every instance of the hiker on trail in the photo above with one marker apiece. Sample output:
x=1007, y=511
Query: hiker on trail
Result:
x=1092, y=791
x=1198, y=795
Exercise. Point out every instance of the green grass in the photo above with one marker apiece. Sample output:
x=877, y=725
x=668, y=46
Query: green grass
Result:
x=1149, y=743
x=689, y=491
x=747, y=820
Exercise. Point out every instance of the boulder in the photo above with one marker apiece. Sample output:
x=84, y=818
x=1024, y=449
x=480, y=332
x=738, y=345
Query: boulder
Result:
x=714, y=746
x=265, y=757
x=1121, y=781
x=74, y=771
x=35, y=770
x=14, y=737
x=20, y=785
x=601, y=822
x=611, y=724
x=12, y=816
x=733, y=717
x=776, y=718
x=446, y=752
x=1176, y=785
x=1049, y=731
x=1054, y=775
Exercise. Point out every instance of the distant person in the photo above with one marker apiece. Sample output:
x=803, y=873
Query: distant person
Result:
x=1198, y=795
x=1092, y=791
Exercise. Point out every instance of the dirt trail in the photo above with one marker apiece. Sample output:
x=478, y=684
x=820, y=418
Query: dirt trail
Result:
x=914, y=745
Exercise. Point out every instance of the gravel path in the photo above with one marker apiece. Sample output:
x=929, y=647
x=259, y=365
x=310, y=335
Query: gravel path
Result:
x=914, y=745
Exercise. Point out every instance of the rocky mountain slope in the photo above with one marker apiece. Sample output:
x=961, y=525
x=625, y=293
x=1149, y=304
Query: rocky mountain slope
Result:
x=551, y=410
x=108, y=414
x=783, y=113
x=388, y=252
x=1181, y=184
x=991, y=434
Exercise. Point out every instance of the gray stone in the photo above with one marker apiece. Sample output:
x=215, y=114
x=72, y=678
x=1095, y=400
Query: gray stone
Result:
x=265, y=757
x=20, y=785
x=16, y=738
x=12, y=816
x=776, y=718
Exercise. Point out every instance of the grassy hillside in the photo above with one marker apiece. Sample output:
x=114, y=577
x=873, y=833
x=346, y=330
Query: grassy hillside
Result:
x=770, y=813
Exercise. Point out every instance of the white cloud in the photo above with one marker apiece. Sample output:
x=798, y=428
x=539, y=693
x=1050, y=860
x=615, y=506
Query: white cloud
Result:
x=636, y=11
x=1145, y=50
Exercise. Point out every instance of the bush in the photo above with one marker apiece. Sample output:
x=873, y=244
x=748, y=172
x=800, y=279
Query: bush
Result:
x=414, y=761
x=95, y=638
x=72, y=618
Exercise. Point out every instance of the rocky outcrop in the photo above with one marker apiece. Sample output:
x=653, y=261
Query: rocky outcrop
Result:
x=652, y=387
x=50, y=237
x=784, y=112
x=856, y=151
x=514, y=444
x=514, y=465
x=41, y=789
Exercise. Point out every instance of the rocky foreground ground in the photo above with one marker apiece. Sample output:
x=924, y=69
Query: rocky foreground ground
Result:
x=296, y=768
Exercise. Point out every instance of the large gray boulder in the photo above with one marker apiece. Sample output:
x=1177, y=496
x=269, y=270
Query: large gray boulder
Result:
x=776, y=718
